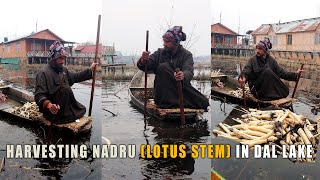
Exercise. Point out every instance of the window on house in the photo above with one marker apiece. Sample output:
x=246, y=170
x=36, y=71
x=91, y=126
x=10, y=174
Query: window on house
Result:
x=275, y=40
x=228, y=40
x=219, y=39
x=254, y=39
x=289, y=39
x=317, y=38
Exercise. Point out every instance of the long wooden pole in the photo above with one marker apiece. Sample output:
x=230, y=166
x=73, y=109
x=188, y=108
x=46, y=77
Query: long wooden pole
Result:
x=146, y=77
x=243, y=90
x=297, y=81
x=181, y=105
x=94, y=71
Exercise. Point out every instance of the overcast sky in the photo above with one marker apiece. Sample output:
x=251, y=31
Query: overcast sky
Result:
x=72, y=20
x=124, y=23
x=253, y=13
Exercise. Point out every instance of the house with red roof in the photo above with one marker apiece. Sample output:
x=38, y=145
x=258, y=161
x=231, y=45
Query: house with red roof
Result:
x=223, y=37
x=32, y=48
x=86, y=53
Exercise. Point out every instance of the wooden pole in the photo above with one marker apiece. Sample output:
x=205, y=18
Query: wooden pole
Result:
x=146, y=78
x=94, y=71
x=297, y=81
x=243, y=89
x=181, y=105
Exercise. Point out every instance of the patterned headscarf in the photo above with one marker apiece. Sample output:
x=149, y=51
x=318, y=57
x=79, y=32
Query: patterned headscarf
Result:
x=57, y=50
x=265, y=44
x=175, y=35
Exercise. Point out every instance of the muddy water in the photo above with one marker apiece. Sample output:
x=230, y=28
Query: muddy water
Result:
x=129, y=127
x=264, y=168
x=13, y=132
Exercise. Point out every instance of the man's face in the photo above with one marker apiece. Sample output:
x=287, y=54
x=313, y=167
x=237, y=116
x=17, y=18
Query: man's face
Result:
x=260, y=52
x=168, y=45
x=60, y=61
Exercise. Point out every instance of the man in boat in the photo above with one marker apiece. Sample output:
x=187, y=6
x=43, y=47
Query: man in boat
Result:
x=264, y=75
x=53, y=92
x=163, y=63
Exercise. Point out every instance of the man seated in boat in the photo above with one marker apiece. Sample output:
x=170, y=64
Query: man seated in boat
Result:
x=163, y=63
x=264, y=75
x=53, y=92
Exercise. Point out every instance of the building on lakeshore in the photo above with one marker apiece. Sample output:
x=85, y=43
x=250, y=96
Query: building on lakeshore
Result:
x=224, y=37
x=32, y=48
x=297, y=36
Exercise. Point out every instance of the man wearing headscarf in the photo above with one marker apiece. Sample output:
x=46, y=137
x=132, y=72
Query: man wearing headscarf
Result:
x=53, y=93
x=163, y=63
x=264, y=75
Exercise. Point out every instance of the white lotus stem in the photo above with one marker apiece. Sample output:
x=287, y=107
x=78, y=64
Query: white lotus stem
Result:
x=303, y=136
x=244, y=135
x=261, y=129
x=254, y=142
x=254, y=133
x=224, y=128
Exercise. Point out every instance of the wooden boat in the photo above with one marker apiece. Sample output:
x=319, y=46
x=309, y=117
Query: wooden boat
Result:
x=231, y=84
x=136, y=91
x=17, y=98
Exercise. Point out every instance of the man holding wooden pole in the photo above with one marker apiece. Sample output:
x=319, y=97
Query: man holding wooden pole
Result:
x=264, y=75
x=53, y=93
x=163, y=63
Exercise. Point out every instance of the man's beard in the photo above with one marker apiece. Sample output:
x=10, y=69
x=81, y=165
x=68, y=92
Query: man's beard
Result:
x=169, y=50
x=55, y=65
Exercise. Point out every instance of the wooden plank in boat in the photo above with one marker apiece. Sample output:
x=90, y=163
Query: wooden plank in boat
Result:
x=73, y=126
x=279, y=101
x=163, y=112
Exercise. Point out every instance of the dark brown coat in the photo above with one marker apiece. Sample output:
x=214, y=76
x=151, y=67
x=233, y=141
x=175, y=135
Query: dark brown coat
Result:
x=55, y=86
x=163, y=65
x=264, y=78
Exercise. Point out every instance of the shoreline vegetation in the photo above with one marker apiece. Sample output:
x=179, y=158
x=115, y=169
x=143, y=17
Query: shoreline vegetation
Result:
x=69, y=67
x=127, y=72
x=202, y=73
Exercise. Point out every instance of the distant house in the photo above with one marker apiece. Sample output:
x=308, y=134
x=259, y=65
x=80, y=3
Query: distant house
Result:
x=223, y=37
x=300, y=35
x=86, y=53
x=33, y=48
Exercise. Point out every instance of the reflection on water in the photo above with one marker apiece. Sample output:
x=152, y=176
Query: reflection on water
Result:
x=129, y=127
x=13, y=131
x=264, y=168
